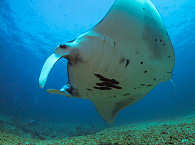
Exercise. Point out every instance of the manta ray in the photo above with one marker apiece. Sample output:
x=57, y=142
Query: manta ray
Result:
x=118, y=61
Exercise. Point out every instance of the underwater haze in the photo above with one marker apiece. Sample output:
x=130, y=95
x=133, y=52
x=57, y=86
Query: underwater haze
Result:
x=30, y=30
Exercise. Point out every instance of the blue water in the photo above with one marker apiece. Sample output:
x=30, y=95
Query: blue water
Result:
x=31, y=29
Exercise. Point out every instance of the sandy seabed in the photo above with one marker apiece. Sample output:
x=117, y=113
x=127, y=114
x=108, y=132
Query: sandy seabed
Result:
x=180, y=131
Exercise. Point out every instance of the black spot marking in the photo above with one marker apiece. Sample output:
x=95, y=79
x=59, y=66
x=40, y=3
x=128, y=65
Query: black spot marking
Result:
x=102, y=88
x=141, y=62
x=134, y=88
x=74, y=59
x=101, y=84
x=126, y=94
x=114, y=44
x=99, y=76
x=117, y=87
x=155, y=39
x=154, y=79
x=114, y=96
x=63, y=46
x=122, y=60
x=106, y=79
x=145, y=71
x=143, y=8
x=77, y=58
x=107, y=84
x=127, y=63
x=110, y=80
x=146, y=85
x=161, y=40
x=89, y=89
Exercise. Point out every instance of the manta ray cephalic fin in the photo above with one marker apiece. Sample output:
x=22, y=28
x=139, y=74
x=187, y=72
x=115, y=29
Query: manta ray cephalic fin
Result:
x=48, y=65
x=59, y=92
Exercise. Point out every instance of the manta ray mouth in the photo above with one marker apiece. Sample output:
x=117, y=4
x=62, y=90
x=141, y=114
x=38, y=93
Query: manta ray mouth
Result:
x=47, y=67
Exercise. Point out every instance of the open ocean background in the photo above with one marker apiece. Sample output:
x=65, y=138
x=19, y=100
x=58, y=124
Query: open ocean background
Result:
x=30, y=30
